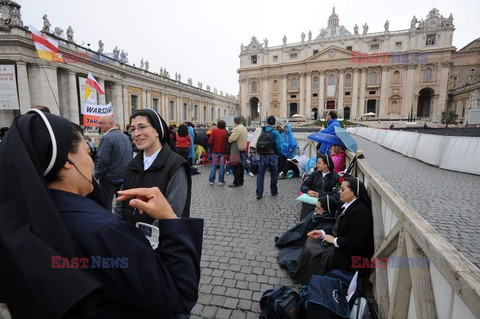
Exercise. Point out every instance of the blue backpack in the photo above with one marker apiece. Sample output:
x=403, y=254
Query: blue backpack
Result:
x=280, y=303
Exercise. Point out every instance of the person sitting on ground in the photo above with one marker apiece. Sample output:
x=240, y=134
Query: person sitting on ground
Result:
x=49, y=231
x=296, y=164
x=292, y=241
x=352, y=235
x=337, y=153
x=322, y=181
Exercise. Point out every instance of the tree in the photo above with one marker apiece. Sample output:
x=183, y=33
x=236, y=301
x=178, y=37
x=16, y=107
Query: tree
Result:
x=449, y=117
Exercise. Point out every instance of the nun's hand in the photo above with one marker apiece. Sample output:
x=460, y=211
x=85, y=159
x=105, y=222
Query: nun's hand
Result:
x=315, y=234
x=329, y=239
x=312, y=194
x=149, y=200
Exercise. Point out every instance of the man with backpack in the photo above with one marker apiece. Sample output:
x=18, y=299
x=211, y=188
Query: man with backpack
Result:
x=269, y=147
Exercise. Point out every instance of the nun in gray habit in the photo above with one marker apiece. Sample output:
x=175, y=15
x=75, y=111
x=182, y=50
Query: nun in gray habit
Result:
x=352, y=235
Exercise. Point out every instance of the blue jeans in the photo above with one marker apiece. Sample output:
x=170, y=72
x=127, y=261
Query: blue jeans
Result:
x=270, y=162
x=217, y=159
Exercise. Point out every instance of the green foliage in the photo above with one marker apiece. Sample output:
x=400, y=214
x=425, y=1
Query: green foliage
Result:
x=449, y=117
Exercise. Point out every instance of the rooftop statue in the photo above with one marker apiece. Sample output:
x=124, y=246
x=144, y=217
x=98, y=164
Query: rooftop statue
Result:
x=386, y=25
x=355, y=29
x=365, y=29
x=70, y=33
x=46, y=24
x=284, y=40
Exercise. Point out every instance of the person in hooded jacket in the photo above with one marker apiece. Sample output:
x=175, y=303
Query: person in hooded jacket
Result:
x=332, y=120
x=50, y=234
x=296, y=164
x=351, y=236
x=155, y=165
x=322, y=181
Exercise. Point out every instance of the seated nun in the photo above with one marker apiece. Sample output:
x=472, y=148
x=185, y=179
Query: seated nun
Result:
x=63, y=255
x=351, y=236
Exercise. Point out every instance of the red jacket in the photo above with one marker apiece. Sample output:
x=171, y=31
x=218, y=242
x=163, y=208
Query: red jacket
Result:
x=183, y=142
x=218, y=140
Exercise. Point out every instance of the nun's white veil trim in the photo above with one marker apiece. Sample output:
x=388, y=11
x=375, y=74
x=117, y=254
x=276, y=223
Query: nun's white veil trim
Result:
x=52, y=138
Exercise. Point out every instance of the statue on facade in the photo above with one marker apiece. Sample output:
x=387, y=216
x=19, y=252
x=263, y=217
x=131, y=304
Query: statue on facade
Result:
x=142, y=64
x=450, y=19
x=179, y=77
x=70, y=33
x=147, y=65
x=284, y=40
x=15, y=17
x=413, y=23
x=208, y=88
x=58, y=32
x=474, y=100
x=116, y=52
x=123, y=57
x=265, y=42
x=176, y=76
x=215, y=90
x=303, y=36
x=100, y=46
x=190, y=81
x=322, y=33
x=46, y=24
x=386, y=25
x=167, y=75
x=355, y=29
x=365, y=29
x=342, y=31
x=241, y=47
x=200, y=84
x=334, y=31
x=221, y=93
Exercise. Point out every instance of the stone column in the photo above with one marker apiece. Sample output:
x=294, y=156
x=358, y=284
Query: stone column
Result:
x=321, y=97
x=354, y=111
x=363, y=81
x=243, y=98
x=265, y=98
x=340, y=89
x=101, y=97
x=382, y=110
x=178, y=119
x=301, y=106
x=73, y=97
x=408, y=95
x=166, y=107
x=23, y=88
x=308, y=104
x=148, y=99
x=143, y=101
x=436, y=110
x=43, y=86
x=283, y=105
x=117, y=104
x=126, y=110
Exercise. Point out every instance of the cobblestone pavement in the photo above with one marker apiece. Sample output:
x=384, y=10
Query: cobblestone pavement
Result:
x=449, y=201
x=239, y=260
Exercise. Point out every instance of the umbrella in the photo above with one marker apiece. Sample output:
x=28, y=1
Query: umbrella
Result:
x=325, y=138
x=368, y=114
x=346, y=138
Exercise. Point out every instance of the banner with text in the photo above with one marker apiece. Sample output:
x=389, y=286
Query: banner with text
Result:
x=93, y=112
x=8, y=88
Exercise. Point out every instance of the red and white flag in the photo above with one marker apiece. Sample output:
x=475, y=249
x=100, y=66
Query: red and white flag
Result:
x=47, y=48
x=94, y=84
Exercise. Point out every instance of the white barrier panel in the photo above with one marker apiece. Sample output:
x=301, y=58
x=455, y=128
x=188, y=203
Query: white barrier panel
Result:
x=370, y=134
x=379, y=136
x=390, y=138
x=462, y=154
x=430, y=148
x=406, y=143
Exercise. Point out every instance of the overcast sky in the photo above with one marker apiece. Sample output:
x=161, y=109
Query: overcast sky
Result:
x=201, y=39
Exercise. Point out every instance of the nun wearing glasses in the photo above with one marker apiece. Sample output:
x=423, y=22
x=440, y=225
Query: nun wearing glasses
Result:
x=156, y=164
x=352, y=235
x=50, y=234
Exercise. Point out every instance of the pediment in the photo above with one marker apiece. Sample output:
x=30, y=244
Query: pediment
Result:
x=331, y=53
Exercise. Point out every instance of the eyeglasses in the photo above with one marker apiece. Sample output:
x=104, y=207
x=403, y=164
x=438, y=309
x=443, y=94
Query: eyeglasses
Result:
x=319, y=163
x=140, y=128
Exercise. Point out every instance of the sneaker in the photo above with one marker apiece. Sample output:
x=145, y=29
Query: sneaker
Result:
x=259, y=197
x=251, y=174
x=281, y=177
x=275, y=194
x=227, y=173
x=211, y=183
x=233, y=185
x=221, y=183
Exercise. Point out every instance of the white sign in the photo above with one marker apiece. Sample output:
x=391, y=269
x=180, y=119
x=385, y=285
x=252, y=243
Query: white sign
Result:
x=82, y=85
x=97, y=110
x=330, y=90
x=8, y=88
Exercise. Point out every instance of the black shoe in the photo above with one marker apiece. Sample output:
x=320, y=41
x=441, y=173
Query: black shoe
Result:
x=233, y=185
x=259, y=197
x=275, y=194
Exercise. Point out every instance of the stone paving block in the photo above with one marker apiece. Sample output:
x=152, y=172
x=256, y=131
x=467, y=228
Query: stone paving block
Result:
x=231, y=303
x=223, y=313
x=219, y=290
x=244, y=304
x=218, y=300
x=232, y=292
x=238, y=315
x=229, y=283
x=209, y=312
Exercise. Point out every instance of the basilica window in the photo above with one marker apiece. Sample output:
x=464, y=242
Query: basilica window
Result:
x=398, y=45
x=430, y=39
x=315, y=52
x=253, y=59
x=275, y=58
x=155, y=104
x=315, y=83
x=275, y=86
x=172, y=110
x=134, y=102
x=254, y=87
x=396, y=77
x=293, y=84
x=293, y=56
x=427, y=75
x=372, y=78
x=331, y=79
x=374, y=47
x=348, y=80
x=349, y=48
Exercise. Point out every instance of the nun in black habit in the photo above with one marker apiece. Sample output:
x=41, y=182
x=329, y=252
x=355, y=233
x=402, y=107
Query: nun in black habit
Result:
x=44, y=216
x=292, y=241
x=352, y=235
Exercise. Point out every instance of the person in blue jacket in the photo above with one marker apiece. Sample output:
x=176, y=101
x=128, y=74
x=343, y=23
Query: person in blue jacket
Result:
x=269, y=161
x=289, y=143
x=332, y=122
x=65, y=256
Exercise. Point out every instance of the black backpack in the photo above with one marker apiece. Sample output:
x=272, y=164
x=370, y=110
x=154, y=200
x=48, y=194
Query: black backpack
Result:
x=280, y=303
x=265, y=143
